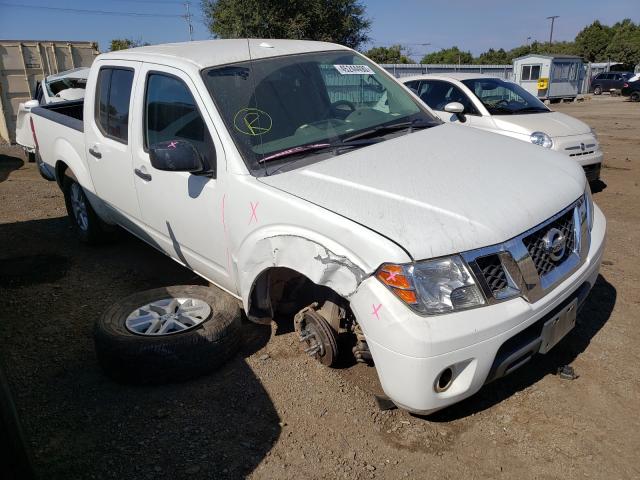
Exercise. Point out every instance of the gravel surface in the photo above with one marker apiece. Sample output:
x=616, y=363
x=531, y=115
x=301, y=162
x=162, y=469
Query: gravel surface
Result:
x=272, y=412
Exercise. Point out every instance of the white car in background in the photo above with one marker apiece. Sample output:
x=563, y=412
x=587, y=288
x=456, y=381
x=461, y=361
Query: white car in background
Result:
x=499, y=106
x=62, y=87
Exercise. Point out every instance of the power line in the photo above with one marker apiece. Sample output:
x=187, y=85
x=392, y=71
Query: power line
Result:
x=93, y=12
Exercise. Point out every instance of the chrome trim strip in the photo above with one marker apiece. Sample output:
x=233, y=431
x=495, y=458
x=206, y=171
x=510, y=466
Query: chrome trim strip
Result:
x=522, y=275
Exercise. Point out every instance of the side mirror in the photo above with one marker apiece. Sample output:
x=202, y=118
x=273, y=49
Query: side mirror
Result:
x=454, y=107
x=457, y=109
x=176, y=156
x=31, y=104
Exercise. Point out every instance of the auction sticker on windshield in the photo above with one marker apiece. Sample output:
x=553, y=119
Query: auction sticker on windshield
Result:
x=354, y=70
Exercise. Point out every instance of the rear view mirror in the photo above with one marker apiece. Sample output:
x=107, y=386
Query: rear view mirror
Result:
x=176, y=156
x=454, y=107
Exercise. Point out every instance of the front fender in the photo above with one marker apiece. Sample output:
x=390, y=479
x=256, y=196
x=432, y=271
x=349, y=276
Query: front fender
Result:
x=321, y=260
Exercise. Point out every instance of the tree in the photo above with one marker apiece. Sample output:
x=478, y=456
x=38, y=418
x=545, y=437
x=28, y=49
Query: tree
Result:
x=624, y=46
x=124, y=43
x=494, y=57
x=392, y=54
x=448, y=56
x=339, y=21
x=592, y=41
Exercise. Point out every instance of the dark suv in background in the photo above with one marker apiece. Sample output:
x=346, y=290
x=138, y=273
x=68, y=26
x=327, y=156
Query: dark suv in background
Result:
x=605, y=81
x=632, y=90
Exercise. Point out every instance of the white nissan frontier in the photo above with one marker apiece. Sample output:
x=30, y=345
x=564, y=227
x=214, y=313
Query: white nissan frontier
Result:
x=301, y=177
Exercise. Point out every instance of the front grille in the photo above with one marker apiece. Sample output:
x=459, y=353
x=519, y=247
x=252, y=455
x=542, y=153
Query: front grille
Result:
x=536, y=246
x=579, y=154
x=493, y=273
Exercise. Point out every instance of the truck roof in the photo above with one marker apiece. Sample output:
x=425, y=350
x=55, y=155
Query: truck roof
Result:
x=207, y=53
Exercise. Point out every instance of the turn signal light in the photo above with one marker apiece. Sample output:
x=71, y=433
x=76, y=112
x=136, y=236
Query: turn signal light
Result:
x=393, y=276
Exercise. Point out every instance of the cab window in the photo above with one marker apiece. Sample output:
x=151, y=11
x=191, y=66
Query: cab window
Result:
x=171, y=113
x=113, y=92
x=437, y=94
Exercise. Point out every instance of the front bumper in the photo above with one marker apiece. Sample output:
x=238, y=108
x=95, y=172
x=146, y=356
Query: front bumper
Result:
x=410, y=351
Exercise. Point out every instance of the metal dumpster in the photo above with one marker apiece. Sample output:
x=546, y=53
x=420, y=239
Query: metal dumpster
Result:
x=23, y=63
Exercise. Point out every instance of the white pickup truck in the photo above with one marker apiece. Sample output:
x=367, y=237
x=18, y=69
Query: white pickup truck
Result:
x=301, y=172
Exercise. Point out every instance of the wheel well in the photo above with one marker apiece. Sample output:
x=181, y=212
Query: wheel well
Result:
x=60, y=170
x=283, y=291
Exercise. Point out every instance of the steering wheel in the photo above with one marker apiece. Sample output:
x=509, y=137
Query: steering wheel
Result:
x=502, y=100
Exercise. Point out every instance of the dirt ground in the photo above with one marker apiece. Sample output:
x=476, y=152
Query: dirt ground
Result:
x=273, y=413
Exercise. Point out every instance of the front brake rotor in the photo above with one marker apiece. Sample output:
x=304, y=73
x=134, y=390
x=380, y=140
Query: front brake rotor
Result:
x=317, y=338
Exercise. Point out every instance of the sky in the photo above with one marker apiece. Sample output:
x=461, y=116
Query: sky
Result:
x=469, y=24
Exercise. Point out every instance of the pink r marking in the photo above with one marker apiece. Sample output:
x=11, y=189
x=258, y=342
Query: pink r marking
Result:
x=376, y=310
x=172, y=144
x=253, y=212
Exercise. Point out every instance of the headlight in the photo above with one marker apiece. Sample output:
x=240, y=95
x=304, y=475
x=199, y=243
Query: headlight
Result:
x=542, y=139
x=585, y=207
x=432, y=287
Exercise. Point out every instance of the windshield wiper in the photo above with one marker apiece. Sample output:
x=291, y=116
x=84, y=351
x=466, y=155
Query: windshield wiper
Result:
x=336, y=146
x=494, y=109
x=385, y=129
x=532, y=109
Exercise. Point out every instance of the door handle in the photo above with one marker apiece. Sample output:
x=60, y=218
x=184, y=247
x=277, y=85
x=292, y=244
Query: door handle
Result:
x=95, y=153
x=145, y=176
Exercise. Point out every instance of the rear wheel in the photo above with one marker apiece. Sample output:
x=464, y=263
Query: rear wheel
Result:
x=635, y=97
x=597, y=90
x=83, y=218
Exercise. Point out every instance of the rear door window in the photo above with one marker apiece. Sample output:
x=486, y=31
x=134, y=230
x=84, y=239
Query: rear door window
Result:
x=113, y=93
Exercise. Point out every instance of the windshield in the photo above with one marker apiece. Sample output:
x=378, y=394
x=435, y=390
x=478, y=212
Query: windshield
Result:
x=504, y=98
x=283, y=108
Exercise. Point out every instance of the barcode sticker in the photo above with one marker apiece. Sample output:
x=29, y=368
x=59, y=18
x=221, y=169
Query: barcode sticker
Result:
x=354, y=70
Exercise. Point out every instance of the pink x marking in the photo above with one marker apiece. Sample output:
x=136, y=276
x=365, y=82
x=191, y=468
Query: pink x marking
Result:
x=376, y=310
x=391, y=276
x=172, y=144
x=253, y=212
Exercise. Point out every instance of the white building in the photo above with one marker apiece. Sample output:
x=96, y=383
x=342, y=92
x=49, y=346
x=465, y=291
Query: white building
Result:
x=549, y=77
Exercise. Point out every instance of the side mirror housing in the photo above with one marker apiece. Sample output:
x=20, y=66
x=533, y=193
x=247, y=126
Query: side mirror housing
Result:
x=176, y=156
x=457, y=109
x=454, y=107
x=28, y=105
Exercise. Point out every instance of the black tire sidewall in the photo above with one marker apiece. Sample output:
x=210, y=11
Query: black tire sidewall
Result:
x=131, y=358
x=635, y=97
x=597, y=90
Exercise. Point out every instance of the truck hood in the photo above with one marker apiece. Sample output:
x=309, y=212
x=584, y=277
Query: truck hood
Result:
x=439, y=191
x=554, y=124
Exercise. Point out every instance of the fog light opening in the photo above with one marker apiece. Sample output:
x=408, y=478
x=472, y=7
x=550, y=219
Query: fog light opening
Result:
x=444, y=380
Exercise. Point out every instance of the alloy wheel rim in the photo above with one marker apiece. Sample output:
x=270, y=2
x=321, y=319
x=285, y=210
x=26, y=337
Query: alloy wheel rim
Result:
x=168, y=316
x=79, y=206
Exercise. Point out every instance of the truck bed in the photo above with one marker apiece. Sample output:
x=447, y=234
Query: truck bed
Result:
x=69, y=114
x=59, y=128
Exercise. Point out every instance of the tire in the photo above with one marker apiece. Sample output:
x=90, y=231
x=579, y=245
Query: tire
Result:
x=137, y=358
x=635, y=97
x=597, y=90
x=87, y=225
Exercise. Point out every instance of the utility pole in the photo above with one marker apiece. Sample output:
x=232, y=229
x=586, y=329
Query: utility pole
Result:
x=553, y=19
x=188, y=16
